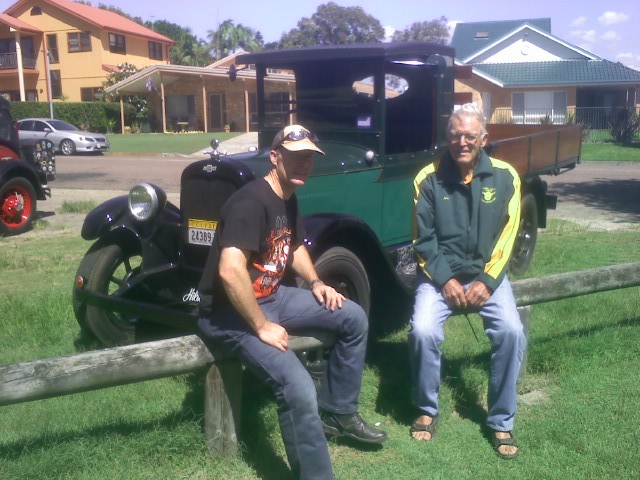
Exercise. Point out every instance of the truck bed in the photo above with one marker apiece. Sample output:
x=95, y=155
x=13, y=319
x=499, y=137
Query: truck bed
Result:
x=536, y=149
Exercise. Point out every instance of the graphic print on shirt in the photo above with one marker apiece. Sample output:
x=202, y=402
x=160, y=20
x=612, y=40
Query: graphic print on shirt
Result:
x=273, y=260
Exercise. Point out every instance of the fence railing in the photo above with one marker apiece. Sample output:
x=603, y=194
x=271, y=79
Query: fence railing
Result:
x=9, y=61
x=595, y=120
x=27, y=381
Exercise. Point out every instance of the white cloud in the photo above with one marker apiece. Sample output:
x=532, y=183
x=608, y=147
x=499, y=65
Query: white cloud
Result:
x=388, y=33
x=578, y=22
x=611, y=18
x=629, y=59
x=588, y=36
x=610, y=36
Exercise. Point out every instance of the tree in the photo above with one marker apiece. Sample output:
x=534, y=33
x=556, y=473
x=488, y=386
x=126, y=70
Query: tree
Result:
x=230, y=36
x=188, y=50
x=334, y=25
x=435, y=31
x=125, y=70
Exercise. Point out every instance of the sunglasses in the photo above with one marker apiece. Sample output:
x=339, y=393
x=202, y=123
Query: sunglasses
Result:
x=296, y=136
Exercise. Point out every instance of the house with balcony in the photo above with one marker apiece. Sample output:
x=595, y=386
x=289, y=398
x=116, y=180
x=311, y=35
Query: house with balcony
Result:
x=523, y=73
x=59, y=49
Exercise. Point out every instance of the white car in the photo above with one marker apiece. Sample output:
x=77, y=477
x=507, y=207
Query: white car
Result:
x=66, y=138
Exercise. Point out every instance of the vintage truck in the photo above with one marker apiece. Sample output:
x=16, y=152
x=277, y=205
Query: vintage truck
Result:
x=25, y=173
x=380, y=112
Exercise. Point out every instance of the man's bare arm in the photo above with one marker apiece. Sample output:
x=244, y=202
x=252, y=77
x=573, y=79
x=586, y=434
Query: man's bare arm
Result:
x=237, y=284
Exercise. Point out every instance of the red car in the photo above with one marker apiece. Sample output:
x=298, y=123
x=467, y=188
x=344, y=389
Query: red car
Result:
x=24, y=175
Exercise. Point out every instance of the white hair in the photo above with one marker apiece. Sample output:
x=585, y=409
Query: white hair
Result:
x=470, y=110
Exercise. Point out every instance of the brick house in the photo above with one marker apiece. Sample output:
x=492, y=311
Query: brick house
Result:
x=202, y=98
x=83, y=43
x=524, y=74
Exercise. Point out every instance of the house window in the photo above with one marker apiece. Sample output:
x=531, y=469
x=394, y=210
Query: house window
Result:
x=56, y=84
x=36, y=11
x=117, y=43
x=155, y=50
x=539, y=107
x=91, y=94
x=79, y=42
x=52, y=43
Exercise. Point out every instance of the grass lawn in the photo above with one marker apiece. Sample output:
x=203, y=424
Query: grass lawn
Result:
x=180, y=143
x=577, y=415
x=605, y=152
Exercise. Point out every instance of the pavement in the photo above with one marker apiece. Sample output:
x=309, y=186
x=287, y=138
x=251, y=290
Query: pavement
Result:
x=238, y=144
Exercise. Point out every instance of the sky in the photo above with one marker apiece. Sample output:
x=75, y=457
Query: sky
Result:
x=607, y=28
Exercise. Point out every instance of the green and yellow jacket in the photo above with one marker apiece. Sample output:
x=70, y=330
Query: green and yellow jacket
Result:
x=466, y=231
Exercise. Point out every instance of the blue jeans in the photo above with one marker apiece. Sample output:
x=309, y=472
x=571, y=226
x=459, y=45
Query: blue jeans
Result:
x=296, y=309
x=503, y=327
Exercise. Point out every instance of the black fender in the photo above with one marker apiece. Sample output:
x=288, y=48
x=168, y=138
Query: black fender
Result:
x=327, y=230
x=10, y=168
x=156, y=239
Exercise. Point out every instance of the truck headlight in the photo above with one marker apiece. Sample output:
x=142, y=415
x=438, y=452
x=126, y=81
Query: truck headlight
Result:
x=145, y=200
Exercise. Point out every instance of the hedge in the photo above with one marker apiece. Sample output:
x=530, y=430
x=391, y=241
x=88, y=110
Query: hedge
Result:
x=94, y=116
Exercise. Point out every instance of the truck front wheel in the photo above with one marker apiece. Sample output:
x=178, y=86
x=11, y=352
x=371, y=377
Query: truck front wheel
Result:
x=527, y=235
x=344, y=271
x=17, y=206
x=106, y=267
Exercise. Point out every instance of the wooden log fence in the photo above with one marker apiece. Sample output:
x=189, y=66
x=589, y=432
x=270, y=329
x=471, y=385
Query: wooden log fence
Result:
x=41, y=379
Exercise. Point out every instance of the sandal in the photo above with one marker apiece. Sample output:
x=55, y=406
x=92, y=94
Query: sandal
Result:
x=502, y=442
x=421, y=427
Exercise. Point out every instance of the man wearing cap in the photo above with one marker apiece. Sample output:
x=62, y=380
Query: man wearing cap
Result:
x=244, y=306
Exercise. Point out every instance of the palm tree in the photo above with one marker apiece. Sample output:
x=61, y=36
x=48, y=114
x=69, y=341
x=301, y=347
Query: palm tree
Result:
x=229, y=36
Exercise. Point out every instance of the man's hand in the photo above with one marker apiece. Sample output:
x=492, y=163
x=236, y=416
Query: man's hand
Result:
x=274, y=335
x=327, y=296
x=454, y=295
x=477, y=295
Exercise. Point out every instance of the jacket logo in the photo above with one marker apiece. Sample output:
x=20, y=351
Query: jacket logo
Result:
x=488, y=195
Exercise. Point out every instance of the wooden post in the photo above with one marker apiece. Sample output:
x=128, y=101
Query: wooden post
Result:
x=222, y=399
x=525, y=318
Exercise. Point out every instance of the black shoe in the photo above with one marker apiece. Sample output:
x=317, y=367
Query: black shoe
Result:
x=351, y=425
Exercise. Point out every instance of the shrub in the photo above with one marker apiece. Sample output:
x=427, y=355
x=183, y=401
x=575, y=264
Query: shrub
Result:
x=624, y=127
x=94, y=116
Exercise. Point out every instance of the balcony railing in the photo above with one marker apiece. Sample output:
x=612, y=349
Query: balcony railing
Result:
x=10, y=60
x=595, y=120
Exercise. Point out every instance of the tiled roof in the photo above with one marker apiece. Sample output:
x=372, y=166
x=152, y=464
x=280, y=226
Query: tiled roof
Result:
x=17, y=23
x=102, y=18
x=469, y=38
x=563, y=72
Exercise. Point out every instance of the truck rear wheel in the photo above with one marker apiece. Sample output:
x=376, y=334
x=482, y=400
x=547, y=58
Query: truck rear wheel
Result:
x=344, y=271
x=17, y=206
x=527, y=235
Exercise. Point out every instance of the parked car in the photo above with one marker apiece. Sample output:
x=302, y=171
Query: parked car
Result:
x=66, y=138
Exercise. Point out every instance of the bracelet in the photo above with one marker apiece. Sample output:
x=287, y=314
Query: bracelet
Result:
x=315, y=282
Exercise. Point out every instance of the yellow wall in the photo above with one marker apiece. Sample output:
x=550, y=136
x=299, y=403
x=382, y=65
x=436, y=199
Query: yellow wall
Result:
x=78, y=69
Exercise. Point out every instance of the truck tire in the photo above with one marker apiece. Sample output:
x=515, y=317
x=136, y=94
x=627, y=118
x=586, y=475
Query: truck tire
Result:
x=104, y=267
x=344, y=271
x=18, y=206
x=527, y=235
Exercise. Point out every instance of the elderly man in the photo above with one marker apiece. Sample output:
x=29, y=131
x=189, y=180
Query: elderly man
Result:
x=245, y=307
x=467, y=210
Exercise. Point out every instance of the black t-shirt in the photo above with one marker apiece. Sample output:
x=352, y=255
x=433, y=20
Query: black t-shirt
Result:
x=254, y=219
